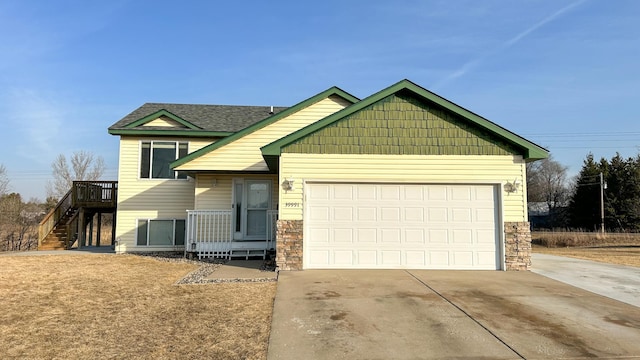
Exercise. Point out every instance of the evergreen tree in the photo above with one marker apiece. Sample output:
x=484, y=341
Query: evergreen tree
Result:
x=584, y=207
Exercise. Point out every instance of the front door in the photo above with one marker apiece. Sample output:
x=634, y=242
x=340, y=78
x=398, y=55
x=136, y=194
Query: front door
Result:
x=251, y=199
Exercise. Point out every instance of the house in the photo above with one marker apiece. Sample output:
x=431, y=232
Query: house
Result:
x=400, y=179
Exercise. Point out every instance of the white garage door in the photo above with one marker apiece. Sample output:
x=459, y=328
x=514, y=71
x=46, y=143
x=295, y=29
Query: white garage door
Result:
x=389, y=226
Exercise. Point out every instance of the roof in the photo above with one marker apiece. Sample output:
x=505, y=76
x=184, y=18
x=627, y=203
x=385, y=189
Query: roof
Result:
x=530, y=150
x=333, y=91
x=219, y=120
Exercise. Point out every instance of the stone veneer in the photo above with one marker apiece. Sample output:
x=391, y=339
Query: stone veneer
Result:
x=289, y=244
x=517, y=246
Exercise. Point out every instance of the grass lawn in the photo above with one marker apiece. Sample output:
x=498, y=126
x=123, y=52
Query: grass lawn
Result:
x=621, y=255
x=125, y=306
x=614, y=249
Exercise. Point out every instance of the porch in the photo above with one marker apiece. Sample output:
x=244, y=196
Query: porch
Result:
x=212, y=234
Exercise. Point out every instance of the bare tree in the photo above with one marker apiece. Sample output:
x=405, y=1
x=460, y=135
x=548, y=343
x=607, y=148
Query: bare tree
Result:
x=84, y=166
x=547, y=182
x=4, y=180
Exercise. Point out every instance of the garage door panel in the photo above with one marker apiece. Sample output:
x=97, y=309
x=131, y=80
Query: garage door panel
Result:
x=342, y=213
x=319, y=258
x=436, y=214
x=401, y=226
x=439, y=259
x=390, y=257
x=367, y=257
x=366, y=192
x=319, y=192
x=343, y=235
x=414, y=214
x=437, y=193
x=438, y=236
x=318, y=235
x=463, y=258
x=414, y=193
x=463, y=193
x=390, y=192
x=343, y=192
x=461, y=215
x=343, y=257
x=367, y=213
x=366, y=235
x=415, y=258
x=462, y=236
x=390, y=236
x=414, y=236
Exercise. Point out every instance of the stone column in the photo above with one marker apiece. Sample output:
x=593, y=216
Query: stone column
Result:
x=289, y=244
x=517, y=246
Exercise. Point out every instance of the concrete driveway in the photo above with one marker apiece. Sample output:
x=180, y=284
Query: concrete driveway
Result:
x=618, y=282
x=397, y=314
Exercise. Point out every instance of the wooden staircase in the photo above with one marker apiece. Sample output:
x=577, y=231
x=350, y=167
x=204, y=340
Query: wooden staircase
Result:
x=67, y=222
x=62, y=237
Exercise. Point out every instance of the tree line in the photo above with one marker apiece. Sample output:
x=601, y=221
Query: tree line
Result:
x=576, y=203
x=19, y=219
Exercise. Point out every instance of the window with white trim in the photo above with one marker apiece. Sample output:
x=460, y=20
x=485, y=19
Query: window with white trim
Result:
x=155, y=157
x=160, y=232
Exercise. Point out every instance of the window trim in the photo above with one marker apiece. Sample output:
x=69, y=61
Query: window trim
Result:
x=148, y=225
x=176, y=173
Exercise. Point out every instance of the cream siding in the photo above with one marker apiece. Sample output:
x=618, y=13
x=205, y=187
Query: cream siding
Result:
x=164, y=122
x=148, y=198
x=445, y=169
x=214, y=192
x=244, y=153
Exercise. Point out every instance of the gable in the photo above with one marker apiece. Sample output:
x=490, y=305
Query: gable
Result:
x=164, y=122
x=241, y=151
x=476, y=127
x=401, y=124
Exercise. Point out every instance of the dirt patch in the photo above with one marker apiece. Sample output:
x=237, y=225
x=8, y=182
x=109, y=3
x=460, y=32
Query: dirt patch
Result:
x=124, y=306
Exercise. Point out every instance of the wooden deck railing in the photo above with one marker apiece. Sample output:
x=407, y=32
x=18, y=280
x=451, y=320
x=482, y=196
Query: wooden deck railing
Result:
x=94, y=193
x=89, y=194
x=49, y=222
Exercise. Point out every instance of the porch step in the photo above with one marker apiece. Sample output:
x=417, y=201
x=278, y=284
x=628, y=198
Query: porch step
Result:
x=246, y=253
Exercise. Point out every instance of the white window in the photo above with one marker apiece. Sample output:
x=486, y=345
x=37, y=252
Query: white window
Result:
x=155, y=157
x=161, y=232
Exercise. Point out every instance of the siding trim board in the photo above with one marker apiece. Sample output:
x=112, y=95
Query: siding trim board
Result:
x=162, y=113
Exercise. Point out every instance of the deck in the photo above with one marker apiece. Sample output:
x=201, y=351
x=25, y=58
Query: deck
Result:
x=67, y=222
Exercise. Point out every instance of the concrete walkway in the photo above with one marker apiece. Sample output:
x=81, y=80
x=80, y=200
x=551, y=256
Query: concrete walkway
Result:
x=617, y=282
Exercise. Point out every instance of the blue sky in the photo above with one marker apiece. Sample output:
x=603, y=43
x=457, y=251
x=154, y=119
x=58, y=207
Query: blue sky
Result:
x=564, y=74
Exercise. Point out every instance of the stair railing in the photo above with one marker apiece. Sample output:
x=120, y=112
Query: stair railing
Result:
x=54, y=216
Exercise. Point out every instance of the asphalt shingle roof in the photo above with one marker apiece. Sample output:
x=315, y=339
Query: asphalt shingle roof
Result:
x=224, y=118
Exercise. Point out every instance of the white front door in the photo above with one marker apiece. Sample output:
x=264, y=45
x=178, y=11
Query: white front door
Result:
x=251, y=199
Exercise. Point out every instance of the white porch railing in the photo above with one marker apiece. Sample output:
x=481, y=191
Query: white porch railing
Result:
x=209, y=233
x=272, y=218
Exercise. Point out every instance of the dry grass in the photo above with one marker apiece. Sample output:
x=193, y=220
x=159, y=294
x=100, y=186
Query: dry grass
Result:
x=124, y=306
x=622, y=249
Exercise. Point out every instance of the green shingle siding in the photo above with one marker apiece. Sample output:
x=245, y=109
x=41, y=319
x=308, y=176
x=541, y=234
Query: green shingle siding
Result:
x=398, y=125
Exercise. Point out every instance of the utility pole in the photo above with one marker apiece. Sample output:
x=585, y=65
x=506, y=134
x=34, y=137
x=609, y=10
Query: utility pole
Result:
x=601, y=203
